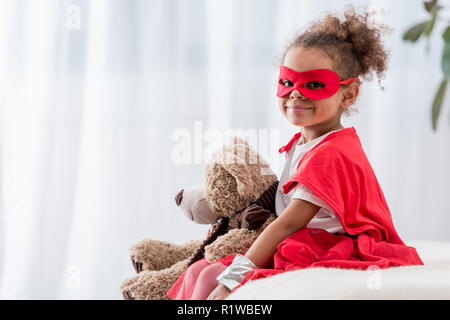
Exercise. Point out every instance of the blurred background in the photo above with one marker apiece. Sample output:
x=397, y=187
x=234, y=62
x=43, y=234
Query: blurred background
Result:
x=97, y=96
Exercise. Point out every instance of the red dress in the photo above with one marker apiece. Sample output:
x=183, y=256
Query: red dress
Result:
x=337, y=170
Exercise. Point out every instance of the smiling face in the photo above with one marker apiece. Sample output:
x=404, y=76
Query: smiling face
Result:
x=320, y=115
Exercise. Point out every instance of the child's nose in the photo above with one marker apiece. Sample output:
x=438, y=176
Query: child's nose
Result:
x=296, y=94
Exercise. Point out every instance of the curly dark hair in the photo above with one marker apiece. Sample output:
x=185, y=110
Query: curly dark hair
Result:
x=353, y=43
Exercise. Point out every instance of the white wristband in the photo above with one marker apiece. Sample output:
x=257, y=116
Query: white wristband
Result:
x=232, y=276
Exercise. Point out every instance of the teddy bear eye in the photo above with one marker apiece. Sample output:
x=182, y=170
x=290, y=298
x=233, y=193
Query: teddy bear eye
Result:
x=314, y=85
x=287, y=83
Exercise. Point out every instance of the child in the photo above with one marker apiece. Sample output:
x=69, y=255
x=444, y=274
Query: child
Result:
x=331, y=209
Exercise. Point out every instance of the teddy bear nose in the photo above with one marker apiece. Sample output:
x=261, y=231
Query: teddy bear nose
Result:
x=179, y=197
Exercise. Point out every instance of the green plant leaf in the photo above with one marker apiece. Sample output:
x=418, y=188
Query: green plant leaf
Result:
x=445, y=63
x=437, y=103
x=429, y=25
x=429, y=5
x=446, y=35
x=414, y=33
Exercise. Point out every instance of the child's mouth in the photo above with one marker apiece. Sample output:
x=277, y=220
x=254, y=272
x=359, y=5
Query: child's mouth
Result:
x=298, y=108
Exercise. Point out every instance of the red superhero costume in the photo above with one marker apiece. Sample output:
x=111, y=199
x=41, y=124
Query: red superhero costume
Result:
x=338, y=171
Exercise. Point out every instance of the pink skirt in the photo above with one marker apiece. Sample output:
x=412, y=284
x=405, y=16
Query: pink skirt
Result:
x=197, y=281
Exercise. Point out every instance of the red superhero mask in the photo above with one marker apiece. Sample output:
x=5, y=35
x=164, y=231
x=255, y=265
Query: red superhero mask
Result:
x=313, y=84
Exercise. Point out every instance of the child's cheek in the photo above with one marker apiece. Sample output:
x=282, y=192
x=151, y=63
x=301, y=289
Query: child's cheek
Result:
x=281, y=105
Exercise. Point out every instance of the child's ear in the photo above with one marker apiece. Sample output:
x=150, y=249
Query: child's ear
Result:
x=350, y=93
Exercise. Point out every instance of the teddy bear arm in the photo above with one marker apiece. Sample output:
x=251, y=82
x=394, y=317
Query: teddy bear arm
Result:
x=157, y=255
x=151, y=284
x=233, y=242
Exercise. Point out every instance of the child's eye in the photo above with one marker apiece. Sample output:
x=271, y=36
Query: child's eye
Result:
x=287, y=83
x=314, y=85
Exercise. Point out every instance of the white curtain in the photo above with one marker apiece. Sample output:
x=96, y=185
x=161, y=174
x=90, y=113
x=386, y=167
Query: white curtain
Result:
x=97, y=97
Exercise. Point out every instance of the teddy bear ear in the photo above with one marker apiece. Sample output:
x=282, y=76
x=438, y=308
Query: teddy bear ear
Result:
x=236, y=140
x=235, y=160
x=243, y=178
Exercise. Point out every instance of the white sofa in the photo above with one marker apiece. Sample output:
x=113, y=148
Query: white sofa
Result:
x=430, y=281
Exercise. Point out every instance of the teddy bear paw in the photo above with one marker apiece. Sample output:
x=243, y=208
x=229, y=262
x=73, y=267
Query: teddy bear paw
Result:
x=138, y=266
x=127, y=295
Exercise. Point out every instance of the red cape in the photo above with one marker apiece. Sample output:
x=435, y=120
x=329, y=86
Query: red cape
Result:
x=338, y=171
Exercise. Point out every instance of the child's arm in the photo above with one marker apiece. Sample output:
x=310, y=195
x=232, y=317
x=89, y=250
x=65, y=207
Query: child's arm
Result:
x=295, y=217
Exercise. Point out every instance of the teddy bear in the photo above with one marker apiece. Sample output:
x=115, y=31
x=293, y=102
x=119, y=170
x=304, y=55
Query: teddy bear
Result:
x=237, y=200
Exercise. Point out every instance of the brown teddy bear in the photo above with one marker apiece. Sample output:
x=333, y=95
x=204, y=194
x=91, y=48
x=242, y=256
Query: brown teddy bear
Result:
x=238, y=199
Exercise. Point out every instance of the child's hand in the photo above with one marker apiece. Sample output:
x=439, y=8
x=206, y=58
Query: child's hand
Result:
x=219, y=293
